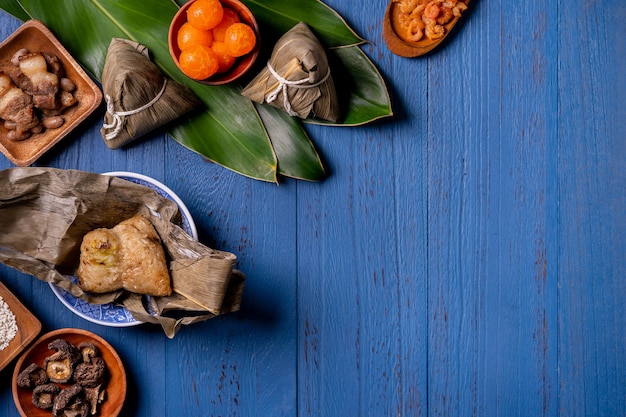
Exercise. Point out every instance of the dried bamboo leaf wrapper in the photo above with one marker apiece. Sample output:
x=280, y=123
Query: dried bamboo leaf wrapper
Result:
x=297, y=79
x=45, y=212
x=177, y=303
x=139, y=97
x=197, y=271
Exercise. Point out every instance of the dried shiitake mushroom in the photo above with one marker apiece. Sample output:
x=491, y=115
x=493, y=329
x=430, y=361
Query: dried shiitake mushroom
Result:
x=81, y=366
x=32, y=376
x=44, y=395
x=60, y=366
x=90, y=374
x=70, y=403
x=88, y=351
x=95, y=396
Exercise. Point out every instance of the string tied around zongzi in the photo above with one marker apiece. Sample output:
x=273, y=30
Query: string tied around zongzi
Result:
x=284, y=84
x=298, y=69
x=117, y=124
x=130, y=80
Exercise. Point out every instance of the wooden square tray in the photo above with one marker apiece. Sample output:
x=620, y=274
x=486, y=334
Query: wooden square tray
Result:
x=28, y=327
x=36, y=37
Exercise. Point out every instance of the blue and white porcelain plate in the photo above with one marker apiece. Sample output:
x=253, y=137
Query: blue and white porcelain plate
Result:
x=110, y=314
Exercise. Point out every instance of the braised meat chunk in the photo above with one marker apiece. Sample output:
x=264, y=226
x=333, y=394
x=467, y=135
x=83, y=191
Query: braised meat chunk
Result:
x=32, y=90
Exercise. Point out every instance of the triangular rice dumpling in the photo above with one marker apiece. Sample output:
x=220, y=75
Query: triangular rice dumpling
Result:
x=297, y=78
x=139, y=97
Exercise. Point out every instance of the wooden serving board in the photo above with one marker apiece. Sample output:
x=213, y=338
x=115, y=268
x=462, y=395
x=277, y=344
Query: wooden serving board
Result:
x=28, y=327
x=35, y=36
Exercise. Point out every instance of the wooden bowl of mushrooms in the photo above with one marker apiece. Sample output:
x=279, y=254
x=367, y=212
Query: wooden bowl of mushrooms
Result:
x=69, y=372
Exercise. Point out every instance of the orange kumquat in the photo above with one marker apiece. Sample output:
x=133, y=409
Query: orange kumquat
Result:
x=230, y=17
x=224, y=59
x=240, y=39
x=205, y=14
x=198, y=62
x=189, y=35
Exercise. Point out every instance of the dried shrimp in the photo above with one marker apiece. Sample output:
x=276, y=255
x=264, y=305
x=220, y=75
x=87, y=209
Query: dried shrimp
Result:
x=419, y=18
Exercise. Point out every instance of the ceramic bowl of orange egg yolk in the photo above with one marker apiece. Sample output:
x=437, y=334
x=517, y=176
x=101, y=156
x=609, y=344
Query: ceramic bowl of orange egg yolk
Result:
x=214, y=42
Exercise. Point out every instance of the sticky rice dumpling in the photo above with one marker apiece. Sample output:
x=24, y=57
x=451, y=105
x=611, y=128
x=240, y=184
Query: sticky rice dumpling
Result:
x=139, y=97
x=297, y=79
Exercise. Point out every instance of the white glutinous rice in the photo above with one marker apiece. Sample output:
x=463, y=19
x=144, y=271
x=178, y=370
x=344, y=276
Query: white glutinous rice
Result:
x=8, y=326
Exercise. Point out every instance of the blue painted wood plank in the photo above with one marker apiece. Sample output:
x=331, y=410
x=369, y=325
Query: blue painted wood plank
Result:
x=464, y=258
x=243, y=364
x=492, y=299
x=409, y=180
x=240, y=365
x=328, y=305
x=361, y=294
x=592, y=181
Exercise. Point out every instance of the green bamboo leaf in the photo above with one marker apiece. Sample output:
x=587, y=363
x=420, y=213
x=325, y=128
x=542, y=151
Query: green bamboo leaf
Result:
x=368, y=98
x=74, y=25
x=363, y=95
x=296, y=158
x=245, y=147
x=86, y=28
x=239, y=143
x=13, y=8
x=280, y=15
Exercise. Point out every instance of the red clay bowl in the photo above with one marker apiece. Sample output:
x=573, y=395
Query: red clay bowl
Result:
x=242, y=65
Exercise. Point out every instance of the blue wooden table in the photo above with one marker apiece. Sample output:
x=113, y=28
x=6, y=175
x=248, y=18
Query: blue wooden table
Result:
x=466, y=257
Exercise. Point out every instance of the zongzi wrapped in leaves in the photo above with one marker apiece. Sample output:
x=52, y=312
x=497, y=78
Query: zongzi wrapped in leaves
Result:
x=297, y=78
x=139, y=97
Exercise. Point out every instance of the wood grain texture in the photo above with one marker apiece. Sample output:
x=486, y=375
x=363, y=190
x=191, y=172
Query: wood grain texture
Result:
x=592, y=235
x=28, y=327
x=466, y=258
